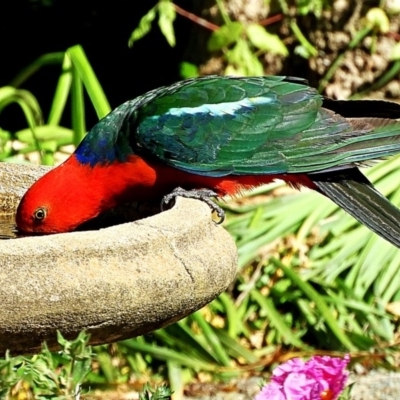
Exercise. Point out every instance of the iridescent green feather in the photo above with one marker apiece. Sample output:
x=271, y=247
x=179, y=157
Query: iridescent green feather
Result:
x=264, y=125
x=217, y=126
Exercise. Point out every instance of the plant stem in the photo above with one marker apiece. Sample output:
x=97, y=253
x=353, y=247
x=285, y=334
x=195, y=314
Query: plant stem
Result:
x=302, y=39
x=223, y=12
x=296, y=30
x=271, y=20
x=382, y=81
x=336, y=63
x=46, y=59
x=196, y=19
x=78, y=107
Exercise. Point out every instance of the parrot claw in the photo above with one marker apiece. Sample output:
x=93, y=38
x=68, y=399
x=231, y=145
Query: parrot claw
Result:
x=199, y=194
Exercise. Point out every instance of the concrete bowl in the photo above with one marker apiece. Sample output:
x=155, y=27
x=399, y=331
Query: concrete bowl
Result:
x=116, y=283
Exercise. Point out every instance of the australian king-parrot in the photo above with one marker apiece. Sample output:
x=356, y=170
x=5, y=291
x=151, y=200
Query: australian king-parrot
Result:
x=219, y=135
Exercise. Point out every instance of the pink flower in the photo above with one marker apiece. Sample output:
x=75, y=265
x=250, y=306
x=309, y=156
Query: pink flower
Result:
x=319, y=378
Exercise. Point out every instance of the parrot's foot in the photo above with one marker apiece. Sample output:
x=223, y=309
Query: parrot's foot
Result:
x=199, y=194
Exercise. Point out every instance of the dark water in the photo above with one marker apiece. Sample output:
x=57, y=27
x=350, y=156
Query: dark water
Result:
x=8, y=228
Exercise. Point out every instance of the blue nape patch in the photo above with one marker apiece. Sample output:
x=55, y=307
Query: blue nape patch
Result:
x=96, y=153
x=107, y=142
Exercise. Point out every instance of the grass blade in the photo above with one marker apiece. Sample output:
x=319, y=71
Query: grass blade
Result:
x=89, y=79
x=276, y=320
x=313, y=295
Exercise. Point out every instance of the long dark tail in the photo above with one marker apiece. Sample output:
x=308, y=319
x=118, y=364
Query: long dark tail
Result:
x=353, y=192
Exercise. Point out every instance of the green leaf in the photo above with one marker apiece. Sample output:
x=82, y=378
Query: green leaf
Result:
x=212, y=339
x=175, y=379
x=78, y=107
x=194, y=345
x=225, y=36
x=231, y=315
x=61, y=135
x=306, y=6
x=6, y=93
x=105, y=361
x=26, y=100
x=143, y=28
x=302, y=51
x=235, y=348
x=243, y=58
x=265, y=41
x=45, y=59
x=89, y=79
x=166, y=354
x=306, y=46
x=395, y=52
x=62, y=91
x=277, y=320
x=166, y=19
x=378, y=19
x=320, y=304
x=188, y=70
x=6, y=148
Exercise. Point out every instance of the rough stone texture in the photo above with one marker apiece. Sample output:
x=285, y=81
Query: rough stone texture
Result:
x=117, y=282
x=376, y=385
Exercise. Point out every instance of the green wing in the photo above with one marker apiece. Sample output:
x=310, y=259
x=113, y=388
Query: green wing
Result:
x=262, y=125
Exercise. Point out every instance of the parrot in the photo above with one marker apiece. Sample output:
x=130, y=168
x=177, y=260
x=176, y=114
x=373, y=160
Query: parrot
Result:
x=212, y=136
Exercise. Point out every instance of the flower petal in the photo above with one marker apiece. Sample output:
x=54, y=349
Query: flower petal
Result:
x=272, y=391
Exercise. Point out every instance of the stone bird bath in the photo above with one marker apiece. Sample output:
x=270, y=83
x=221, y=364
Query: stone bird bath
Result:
x=116, y=283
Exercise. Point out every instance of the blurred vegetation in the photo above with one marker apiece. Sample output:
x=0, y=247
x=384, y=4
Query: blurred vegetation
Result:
x=311, y=278
x=47, y=375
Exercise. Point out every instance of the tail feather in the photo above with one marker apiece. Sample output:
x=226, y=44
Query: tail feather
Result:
x=353, y=192
x=363, y=108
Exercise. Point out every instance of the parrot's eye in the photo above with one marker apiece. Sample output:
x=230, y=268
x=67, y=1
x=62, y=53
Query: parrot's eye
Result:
x=40, y=213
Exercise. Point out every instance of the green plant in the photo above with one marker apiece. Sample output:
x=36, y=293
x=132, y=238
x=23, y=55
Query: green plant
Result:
x=166, y=16
x=47, y=136
x=159, y=393
x=241, y=44
x=47, y=375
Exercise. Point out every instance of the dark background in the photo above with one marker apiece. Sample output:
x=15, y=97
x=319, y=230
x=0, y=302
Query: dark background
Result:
x=30, y=28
